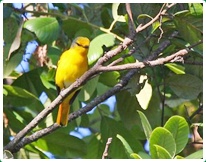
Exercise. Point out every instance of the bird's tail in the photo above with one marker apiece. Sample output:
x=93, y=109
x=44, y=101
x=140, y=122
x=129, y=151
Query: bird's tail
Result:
x=64, y=109
x=62, y=116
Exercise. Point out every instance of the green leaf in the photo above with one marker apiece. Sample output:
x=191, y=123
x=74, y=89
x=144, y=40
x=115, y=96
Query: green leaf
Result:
x=178, y=157
x=17, y=41
x=31, y=81
x=185, y=86
x=62, y=145
x=72, y=25
x=61, y=6
x=20, y=106
x=153, y=113
x=88, y=89
x=46, y=28
x=192, y=30
x=93, y=149
x=162, y=137
x=14, y=120
x=7, y=11
x=127, y=107
x=109, y=78
x=143, y=16
x=106, y=17
x=135, y=156
x=115, y=15
x=54, y=54
x=95, y=48
x=195, y=70
x=162, y=153
x=142, y=155
x=16, y=57
x=196, y=155
x=196, y=9
x=10, y=27
x=110, y=128
x=145, y=124
x=18, y=96
x=101, y=88
x=83, y=32
x=11, y=64
x=127, y=147
x=94, y=120
x=177, y=69
x=35, y=152
x=134, y=86
x=46, y=77
x=157, y=24
x=179, y=128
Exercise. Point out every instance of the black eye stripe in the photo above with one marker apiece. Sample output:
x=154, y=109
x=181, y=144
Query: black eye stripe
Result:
x=81, y=45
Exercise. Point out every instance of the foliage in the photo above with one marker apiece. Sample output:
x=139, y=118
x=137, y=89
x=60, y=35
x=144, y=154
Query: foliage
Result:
x=165, y=142
x=173, y=91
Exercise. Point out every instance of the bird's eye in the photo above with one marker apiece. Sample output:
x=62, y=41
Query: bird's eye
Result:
x=81, y=45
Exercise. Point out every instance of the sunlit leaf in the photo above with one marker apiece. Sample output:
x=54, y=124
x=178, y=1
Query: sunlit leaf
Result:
x=115, y=14
x=179, y=128
x=96, y=50
x=145, y=93
x=127, y=147
x=145, y=124
x=162, y=153
x=143, y=155
x=177, y=69
x=196, y=9
x=162, y=137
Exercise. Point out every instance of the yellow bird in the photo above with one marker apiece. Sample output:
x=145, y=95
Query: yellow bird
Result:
x=72, y=64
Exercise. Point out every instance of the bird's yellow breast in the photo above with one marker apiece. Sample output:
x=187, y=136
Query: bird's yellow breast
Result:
x=72, y=64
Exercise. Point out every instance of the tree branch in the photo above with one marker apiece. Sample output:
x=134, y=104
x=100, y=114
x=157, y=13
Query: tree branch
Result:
x=35, y=136
x=140, y=65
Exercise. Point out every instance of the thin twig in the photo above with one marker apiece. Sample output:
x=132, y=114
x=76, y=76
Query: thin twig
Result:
x=198, y=111
x=163, y=101
x=131, y=21
x=105, y=154
x=162, y=12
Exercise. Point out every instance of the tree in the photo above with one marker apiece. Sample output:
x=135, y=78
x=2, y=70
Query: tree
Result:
x=149, y=56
